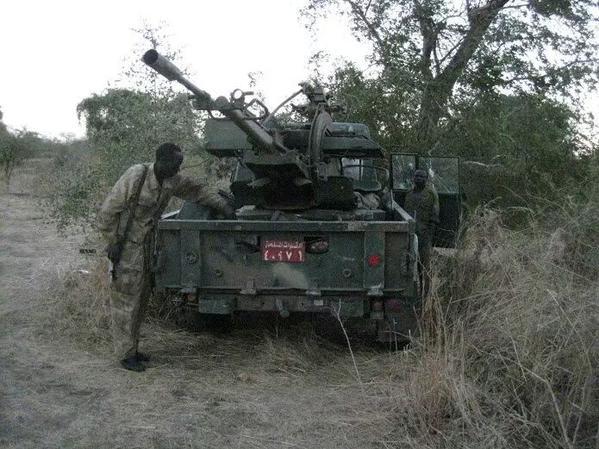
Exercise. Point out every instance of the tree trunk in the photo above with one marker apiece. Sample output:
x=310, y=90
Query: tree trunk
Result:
x=432, y=107
x=438, y=89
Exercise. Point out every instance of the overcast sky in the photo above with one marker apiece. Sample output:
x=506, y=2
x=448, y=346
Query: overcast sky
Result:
x=55, y=53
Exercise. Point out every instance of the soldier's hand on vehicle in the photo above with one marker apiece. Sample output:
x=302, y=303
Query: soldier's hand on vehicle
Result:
x=114, y=251
x=228, y=211
x=228, y=206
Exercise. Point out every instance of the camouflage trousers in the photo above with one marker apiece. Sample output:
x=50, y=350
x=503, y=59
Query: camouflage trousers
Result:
x=129, y=296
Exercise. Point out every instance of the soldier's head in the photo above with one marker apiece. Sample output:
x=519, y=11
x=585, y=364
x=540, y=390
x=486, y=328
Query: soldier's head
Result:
x=168, y=160
x=419, y=179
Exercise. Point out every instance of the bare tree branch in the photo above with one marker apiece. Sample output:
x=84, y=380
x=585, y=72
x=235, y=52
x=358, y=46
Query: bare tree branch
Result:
x=480, y=19
x=438, y=90
x=449, y=52
x=373, y=33
x=539, y=76
x=429, y=31
x=437, y=65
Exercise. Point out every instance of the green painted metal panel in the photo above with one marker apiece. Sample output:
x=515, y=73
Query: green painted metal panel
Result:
x=225, y=304
x=216, y=257
x=190, y=259
x=374, y=262
x=284, y=226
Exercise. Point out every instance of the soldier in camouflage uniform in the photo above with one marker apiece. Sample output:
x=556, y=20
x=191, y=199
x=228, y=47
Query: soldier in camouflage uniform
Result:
x=422, y=203
x=131, y=254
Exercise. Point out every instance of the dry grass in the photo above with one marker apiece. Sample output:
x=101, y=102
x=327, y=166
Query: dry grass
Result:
x=79, y=304
x=508, y=356
x=510, y=353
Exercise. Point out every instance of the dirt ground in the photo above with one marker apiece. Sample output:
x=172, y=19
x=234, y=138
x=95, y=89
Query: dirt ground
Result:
x=253, y=388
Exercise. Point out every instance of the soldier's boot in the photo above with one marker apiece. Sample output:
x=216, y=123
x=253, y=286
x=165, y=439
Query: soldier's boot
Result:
x=133, y=364
x=142, y=357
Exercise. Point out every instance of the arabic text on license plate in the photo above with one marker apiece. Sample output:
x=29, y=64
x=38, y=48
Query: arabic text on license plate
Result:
x=283, y=251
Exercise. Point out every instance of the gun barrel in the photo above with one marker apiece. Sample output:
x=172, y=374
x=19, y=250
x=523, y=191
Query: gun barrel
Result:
x=172, y=73
x=162, y=65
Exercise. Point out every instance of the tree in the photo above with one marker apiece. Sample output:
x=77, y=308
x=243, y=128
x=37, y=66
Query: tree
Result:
x=515, y=147
x=14, y=149
x=124, y=126
x=2, y=125
x=434, y=53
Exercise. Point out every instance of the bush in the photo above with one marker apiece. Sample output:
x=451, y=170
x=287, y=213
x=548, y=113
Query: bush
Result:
x=509, y=354
x=13, y=151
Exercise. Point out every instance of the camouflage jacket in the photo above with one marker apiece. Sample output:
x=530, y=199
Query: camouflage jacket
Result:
x=424, y=207
x=153, y=199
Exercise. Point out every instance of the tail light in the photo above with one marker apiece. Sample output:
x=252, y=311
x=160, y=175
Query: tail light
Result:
x=393, y=305
x=374, y=260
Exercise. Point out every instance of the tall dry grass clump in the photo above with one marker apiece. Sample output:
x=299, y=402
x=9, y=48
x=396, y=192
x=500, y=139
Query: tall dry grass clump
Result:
x=509, y=355
x=80, y=304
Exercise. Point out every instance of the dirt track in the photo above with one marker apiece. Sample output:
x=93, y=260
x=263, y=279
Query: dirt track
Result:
x=241, y=390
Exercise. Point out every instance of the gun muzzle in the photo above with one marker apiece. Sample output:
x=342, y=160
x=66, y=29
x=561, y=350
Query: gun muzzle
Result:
x=162, y=65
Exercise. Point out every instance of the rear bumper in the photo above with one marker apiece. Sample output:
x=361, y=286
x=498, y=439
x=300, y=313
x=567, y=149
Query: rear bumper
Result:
x=345, y=306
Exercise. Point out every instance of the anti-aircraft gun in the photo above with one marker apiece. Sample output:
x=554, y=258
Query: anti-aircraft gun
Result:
x=316, y=226
x=281, y=168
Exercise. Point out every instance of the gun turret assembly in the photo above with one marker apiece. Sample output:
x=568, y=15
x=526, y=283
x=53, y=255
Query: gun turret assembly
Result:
x=286, y=167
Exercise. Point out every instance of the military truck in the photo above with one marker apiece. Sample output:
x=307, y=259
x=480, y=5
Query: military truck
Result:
x=318, y=226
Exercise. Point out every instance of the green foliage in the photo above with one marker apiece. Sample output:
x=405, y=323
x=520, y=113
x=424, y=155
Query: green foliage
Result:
x=16, y=146
x=389, y=112
x=2, y=125
x=124, y=126
x=14, y=149
x=436, y=53
x=478, y=81
x=528, y=146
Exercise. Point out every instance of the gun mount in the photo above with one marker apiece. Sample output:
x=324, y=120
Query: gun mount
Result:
x=295, y=166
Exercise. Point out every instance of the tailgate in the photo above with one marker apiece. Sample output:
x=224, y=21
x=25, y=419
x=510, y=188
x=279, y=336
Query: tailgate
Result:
x=264, y=257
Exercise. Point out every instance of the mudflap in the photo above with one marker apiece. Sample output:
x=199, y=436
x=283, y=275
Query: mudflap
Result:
x=398, y=326
x=194, y=321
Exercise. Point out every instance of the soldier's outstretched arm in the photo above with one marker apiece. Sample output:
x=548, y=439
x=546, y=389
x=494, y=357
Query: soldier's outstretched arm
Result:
x=116, y=202
x=189, y=189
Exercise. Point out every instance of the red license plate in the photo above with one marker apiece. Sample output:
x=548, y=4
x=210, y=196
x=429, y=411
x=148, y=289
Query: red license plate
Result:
x=283, y=251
